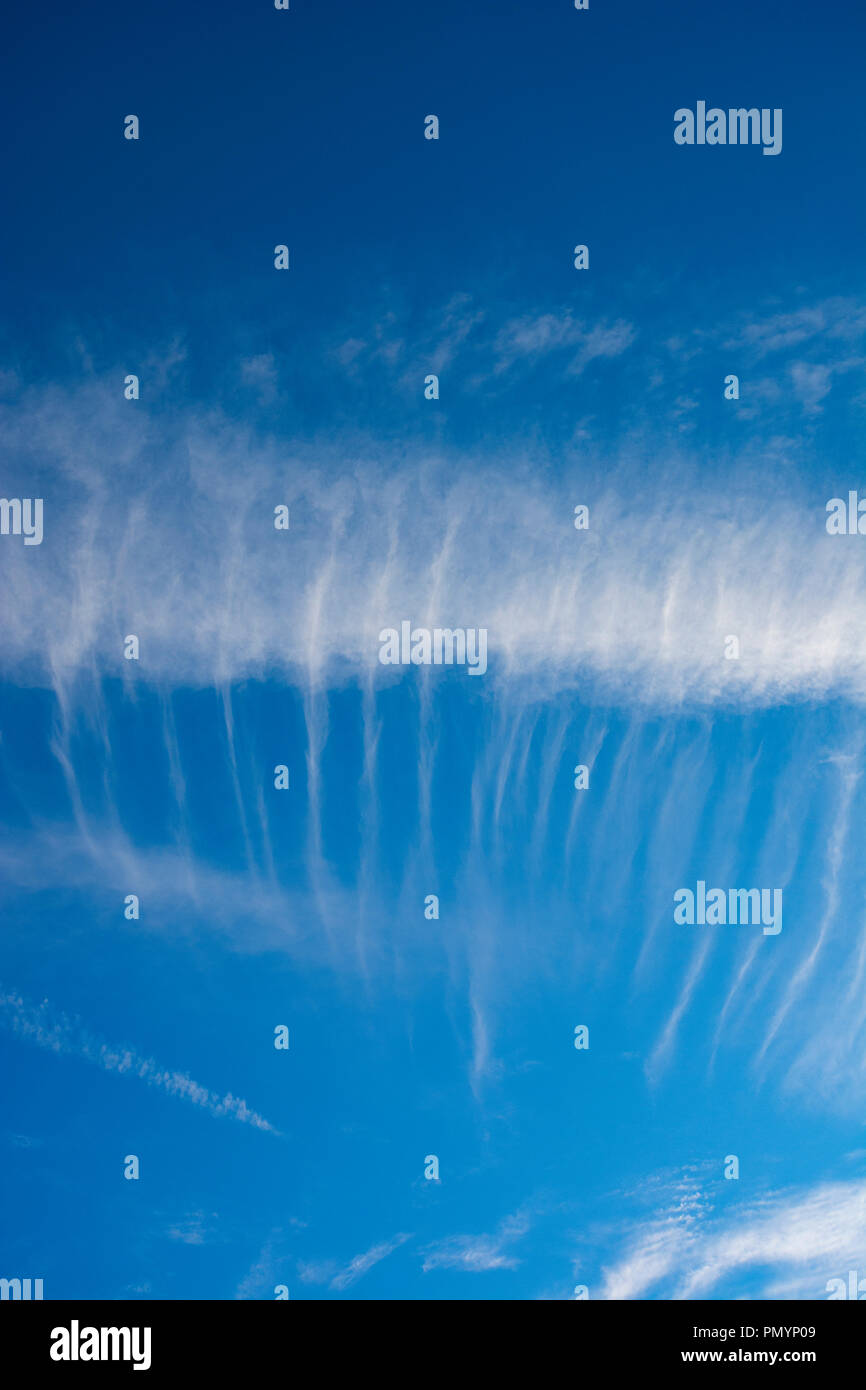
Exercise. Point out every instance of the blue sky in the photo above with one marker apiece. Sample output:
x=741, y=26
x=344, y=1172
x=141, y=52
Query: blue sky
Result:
x=409, y=1037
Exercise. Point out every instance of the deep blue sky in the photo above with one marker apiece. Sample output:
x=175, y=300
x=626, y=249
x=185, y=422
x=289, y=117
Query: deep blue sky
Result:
x=412, y=1037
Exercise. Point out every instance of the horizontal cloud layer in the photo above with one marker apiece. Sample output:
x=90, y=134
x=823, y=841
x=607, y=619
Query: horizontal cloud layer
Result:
x=165, y=528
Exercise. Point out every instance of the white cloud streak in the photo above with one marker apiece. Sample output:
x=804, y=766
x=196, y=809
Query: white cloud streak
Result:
x=41, y=1025
x=328, y=1271
x=478, y=1253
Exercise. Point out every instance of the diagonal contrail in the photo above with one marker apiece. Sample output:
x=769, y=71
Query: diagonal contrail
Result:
x=66, y=1036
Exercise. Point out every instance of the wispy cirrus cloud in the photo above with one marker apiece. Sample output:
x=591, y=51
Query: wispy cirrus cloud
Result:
x=532, y=337
x=65, y=1036
x=477, y=1253
x=796, y=1238
x=193, y=1229
x=462, y=337
x=637, y=607
x=812, y=381
x=336, y=1277
x=264, y=1270
x=839, y=318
